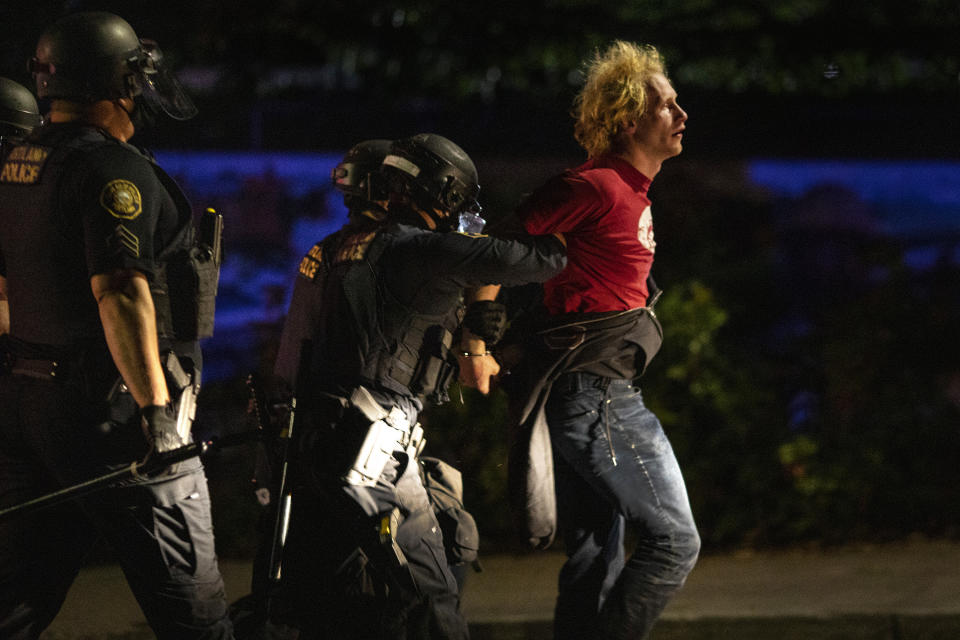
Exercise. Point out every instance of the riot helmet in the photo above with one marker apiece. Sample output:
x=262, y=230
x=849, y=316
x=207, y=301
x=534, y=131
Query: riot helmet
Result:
x=18, y=110
x=358, y=176
x=434, y=175
x=95, y=55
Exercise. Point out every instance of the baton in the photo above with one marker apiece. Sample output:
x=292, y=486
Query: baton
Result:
x=281, y=523
x=284, y=502
x=154, y=464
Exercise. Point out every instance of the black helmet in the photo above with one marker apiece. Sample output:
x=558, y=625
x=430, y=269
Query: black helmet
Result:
x=435, y=174
x=357, y=175
x=18, y=109
x=95, y=55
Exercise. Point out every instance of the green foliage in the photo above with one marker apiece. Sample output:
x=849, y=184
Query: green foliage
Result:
x=882, y=459
x=425, y=47
x=718, y=408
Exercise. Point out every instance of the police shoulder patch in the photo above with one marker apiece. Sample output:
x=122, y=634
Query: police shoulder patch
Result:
x=121, y=199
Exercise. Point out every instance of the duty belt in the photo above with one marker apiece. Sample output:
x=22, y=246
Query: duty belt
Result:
x=39, y=368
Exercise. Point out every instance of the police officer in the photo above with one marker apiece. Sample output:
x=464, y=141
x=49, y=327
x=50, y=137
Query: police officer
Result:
x=368, y=342
x=109, y=294
x=18, y=116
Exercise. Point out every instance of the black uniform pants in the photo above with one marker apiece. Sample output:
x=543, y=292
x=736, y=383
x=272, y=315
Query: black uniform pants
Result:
x=52, y=436
x=341, y=579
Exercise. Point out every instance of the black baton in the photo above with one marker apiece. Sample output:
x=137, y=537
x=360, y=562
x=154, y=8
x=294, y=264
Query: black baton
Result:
x=154, y=464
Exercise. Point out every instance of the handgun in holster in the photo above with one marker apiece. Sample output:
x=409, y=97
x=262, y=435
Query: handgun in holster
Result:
x=184, y=388
x=389, y=431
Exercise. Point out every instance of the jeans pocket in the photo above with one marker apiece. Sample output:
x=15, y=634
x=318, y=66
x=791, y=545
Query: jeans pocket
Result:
x=564, y=406
x=625, y=407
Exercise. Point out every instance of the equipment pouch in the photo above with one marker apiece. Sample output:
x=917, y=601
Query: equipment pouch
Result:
x=186, y=289
x=192, y=280
x=434, y=370
x=444, y=486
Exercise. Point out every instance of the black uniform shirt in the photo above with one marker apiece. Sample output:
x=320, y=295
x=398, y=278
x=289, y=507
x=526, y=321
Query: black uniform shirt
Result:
x=75, y=202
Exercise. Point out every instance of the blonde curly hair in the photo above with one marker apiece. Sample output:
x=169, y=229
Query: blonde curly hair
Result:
x=614, y=93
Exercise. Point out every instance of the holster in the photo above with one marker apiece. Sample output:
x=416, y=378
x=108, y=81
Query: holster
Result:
x=184, y=387
x=352, y=439
x=387, y=432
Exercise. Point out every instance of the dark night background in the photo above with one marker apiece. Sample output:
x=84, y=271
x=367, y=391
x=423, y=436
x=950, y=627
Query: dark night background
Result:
x=808, y=237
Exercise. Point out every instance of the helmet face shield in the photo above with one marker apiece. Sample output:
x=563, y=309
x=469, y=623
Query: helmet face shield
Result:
x=160, y=87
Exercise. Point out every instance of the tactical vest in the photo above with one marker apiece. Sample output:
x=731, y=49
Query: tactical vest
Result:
x=50, y=300
x=185, y=284
x=357, y=332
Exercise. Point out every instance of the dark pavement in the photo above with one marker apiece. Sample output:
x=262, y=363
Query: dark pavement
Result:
x=901, y=591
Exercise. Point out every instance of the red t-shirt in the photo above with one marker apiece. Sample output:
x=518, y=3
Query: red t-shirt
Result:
x=602, y=209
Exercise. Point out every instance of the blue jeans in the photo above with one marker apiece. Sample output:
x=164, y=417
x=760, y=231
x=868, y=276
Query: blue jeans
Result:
x=614, y=465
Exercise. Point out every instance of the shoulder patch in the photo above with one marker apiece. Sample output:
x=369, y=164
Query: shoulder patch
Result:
x=311, y=262
x=353, y=247
x=121, y=199
x=124, y=240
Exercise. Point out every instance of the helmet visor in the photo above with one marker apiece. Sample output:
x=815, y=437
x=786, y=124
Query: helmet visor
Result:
x=161, y=89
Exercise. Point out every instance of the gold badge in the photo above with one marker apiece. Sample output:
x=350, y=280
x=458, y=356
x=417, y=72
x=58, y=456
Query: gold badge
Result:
x=121, y=199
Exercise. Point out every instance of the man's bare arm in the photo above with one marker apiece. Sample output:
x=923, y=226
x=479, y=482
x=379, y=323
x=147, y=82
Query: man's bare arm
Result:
x=4, y=307
x=127, y=315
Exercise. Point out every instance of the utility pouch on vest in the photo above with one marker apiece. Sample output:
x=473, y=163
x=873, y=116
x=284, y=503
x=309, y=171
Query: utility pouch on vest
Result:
x=193, y=277
x=186, y=289
x=434, y=370
x=388, y=432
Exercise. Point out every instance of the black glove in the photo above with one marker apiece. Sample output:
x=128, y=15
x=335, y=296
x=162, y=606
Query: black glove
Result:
x=160, y=424
x=487, y=320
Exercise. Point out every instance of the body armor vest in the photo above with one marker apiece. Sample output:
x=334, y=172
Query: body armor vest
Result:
x=50, y=299
x=358, y=332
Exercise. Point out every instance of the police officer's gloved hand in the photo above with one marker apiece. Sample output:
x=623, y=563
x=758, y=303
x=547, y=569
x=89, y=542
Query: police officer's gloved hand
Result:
x=486, y=319
x=160, y=423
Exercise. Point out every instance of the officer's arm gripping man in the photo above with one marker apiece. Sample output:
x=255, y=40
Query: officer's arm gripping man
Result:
x=127, y=314
x=477, y=371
